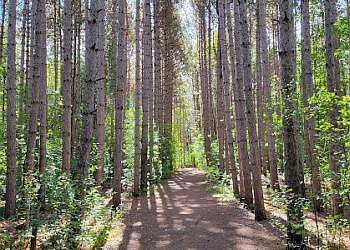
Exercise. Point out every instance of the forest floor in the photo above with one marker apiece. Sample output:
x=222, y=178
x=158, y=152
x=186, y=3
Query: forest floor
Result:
x=182, y=214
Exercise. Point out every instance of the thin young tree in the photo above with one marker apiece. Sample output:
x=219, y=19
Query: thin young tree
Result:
x=255, y=158
x=11, y=186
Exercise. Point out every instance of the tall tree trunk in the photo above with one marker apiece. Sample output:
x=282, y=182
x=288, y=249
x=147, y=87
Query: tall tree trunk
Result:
x=101, y=113
x=204, y=84
x=293, y=163
x=158, y=109
x=211, y=105
x=150, y=98
x=88, y=99
x=260, y=102
x=157, y=70
x=309, y=118
x=11, y=187
x=220, y=113
x=146, y=91
x=137, y=103
x=239, y=99
x=23, y=53
x=333, y=112
x=120, y=105
x=267, y=95
x=2, y=29
x=225, y=70
x=43, y=129
x=34, y=84
x=55, y=56
x=250, y=111
x=67, y=87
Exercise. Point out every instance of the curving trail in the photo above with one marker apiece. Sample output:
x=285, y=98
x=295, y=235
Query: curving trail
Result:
x=183, y=215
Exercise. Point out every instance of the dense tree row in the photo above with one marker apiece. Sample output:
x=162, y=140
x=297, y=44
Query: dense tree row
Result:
x=76, y=102
x=106, y=97
x=275, y=97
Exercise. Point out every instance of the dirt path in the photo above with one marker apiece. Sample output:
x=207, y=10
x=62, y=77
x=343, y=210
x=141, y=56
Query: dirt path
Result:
x=183, y=215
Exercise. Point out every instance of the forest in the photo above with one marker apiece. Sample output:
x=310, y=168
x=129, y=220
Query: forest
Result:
x=104, y=103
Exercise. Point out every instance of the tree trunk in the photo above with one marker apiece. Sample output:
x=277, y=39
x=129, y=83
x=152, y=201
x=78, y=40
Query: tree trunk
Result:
x=293, y=163
x=23, y=53
x=204, y=84
x=101, y=106
x=309, y=117
x=43, y=129
x=137, y=104
x=211, y=105
x=67, y=87
x=88, y=100
x=146, y=92
x=220, y=112
x=119, y=107
x=241, y=124
x=11, y=187
x=34, y=85
x=267, y=95
x=76, y=95
x=333, y=112
x=250, y=111
x=223, y=47
x=260, y=103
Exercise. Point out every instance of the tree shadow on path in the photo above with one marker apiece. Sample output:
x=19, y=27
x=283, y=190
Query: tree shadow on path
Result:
x=181, y=214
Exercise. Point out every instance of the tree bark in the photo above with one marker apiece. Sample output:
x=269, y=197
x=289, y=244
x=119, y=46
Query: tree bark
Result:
x=291, y=139
x=333, y=112
x=250, y=113
x=220, y=112
x=223, y=47
x=137, y=104
x=67, y=87
x=119, y=107
x=146, y=92
x=101, y=106
x=267, y=95
x=11, y=186
x=204, y=84
x=23, y=53
x=43, y=128
x=309, y=117
x=260, y=103
x=211, y=105
x=88, y=100
x=241, y=122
